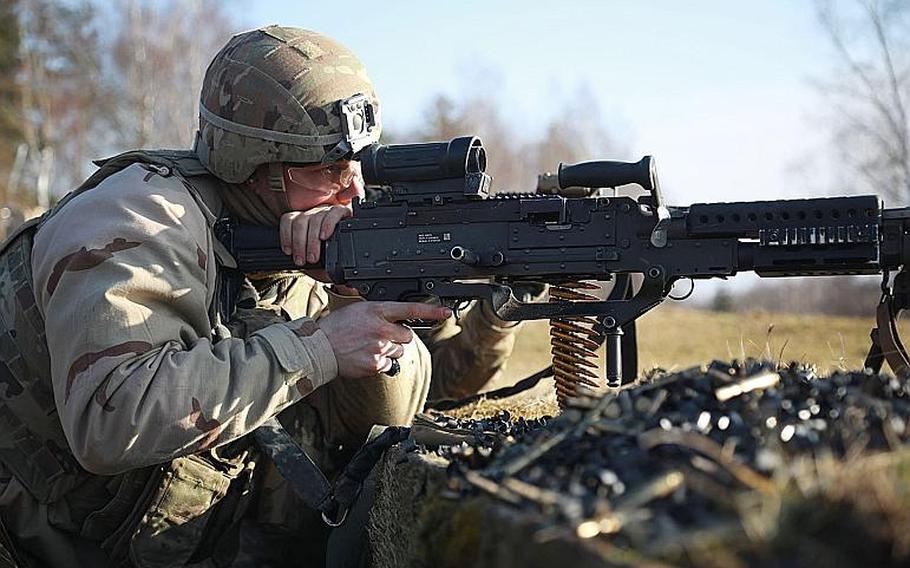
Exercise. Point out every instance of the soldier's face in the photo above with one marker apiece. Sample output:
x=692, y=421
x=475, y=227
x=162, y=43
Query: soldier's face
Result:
x=332, y=184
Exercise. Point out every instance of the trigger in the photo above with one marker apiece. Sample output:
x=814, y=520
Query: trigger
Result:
x=457, y=307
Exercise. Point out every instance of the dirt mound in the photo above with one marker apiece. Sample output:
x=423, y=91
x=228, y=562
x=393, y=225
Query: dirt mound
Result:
x=725, y=465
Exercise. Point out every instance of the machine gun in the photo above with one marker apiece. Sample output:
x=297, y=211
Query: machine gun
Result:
x=438, y=232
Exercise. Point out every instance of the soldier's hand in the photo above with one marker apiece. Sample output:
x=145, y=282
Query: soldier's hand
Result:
x=365, y=337
x=302, y=232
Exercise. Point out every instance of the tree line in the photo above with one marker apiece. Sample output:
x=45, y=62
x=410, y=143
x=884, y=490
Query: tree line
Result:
x=866, y=91
x=80, y=81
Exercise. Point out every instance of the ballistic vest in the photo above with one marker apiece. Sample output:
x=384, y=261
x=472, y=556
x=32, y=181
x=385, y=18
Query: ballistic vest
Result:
x=32, y=443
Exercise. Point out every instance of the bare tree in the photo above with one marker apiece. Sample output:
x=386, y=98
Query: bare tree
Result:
x=160, y=53
x=92, y=83
x=442, y=121
x=577, y=133
x=10, y=119
x=514, y=158
x=870, y=91
x=60, y=90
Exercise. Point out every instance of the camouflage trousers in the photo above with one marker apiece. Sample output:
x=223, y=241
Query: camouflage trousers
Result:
x=277, y=529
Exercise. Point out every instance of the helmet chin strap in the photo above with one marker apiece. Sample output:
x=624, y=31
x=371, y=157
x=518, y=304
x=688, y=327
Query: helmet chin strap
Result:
x=277, y=188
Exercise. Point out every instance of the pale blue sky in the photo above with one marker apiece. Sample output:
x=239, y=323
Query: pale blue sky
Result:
x=720, y=92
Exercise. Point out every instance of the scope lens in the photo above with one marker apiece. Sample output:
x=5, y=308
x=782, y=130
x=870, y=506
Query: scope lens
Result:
x=477, y=159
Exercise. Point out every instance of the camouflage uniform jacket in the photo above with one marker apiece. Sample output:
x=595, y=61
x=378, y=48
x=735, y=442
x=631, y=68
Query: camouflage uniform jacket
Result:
x=124, y=276
x=138, y=375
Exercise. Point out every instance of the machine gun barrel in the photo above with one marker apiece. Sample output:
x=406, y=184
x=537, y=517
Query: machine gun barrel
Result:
x=797, y=237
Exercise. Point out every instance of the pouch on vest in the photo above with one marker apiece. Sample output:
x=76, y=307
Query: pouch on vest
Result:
x=32, y=443
x=168, y=526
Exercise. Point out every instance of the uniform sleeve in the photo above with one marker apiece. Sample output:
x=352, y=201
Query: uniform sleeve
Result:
x=467, y=355
x=124, y=275
x=470, y=354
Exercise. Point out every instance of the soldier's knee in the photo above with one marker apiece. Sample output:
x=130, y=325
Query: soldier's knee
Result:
x=348, y=408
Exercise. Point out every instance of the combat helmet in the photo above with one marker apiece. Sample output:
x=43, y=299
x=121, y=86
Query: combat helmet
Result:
x=281, y=94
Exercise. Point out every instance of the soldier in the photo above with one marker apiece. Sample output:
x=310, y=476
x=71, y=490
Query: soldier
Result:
x=133, y=365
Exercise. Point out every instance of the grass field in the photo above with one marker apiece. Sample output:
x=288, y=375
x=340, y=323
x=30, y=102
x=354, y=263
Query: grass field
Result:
x=674, y=338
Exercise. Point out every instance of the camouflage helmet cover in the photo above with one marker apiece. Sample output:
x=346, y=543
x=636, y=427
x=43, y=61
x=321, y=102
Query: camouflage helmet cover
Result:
x=280, y=94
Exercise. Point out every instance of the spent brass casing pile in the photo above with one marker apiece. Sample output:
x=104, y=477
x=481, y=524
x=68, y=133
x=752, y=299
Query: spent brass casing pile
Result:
x=668, y=461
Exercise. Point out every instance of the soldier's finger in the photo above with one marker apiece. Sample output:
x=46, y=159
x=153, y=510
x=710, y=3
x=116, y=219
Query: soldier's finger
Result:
x=398, y=311
x=312, y=239
x=299, y=239
x=331, y=220
x=381, y=364
x=390, y=349
x=397, y=352
x=395, y=333
x=285, y=231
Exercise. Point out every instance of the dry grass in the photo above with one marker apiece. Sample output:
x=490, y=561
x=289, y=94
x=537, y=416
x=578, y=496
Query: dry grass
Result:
x=675, y=338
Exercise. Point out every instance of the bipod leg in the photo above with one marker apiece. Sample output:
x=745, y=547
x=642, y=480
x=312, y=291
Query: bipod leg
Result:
x=626, y=346
x=614, y=363
x=886, y=341
x=876, y=357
